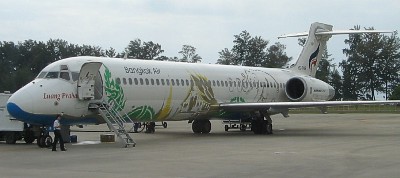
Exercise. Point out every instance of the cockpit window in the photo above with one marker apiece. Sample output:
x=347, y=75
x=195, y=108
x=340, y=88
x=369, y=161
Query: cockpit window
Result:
x=64, y=75
x=41, y=75
x=75, y=76
x=52, y=75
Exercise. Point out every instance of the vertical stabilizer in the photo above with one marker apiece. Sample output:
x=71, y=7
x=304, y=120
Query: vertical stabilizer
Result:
x=311, y=54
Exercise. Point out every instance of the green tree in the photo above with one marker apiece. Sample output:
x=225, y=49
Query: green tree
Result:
x=372, y=64
x=225, y=57
x=146, y=50
x=189, y=54
x=253, y=51
x=276, y=56
x=395, y=94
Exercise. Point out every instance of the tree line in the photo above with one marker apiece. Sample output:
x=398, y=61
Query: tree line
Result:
x=21, y=62
x=372, y=60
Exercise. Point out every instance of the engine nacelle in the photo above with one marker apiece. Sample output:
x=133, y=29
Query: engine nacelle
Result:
x=306, y=88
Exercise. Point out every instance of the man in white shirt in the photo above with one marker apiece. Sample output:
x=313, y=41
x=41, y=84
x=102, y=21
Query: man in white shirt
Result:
x=57, y=134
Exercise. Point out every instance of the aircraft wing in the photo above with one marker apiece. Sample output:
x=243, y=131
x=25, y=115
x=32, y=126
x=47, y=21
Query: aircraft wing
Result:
x=288, y=105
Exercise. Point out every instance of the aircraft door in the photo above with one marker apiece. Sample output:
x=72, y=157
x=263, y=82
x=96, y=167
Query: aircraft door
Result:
x=89, y=78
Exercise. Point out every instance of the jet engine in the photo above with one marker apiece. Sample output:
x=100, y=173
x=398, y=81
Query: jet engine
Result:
x=306, y=88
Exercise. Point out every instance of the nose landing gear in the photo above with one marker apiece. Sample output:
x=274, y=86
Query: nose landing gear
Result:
x=44, y=140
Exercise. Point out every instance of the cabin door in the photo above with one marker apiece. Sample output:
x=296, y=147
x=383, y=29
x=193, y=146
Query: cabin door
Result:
x=89, y=82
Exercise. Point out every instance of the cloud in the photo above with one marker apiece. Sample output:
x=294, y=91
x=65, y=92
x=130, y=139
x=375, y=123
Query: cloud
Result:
x=208, y=25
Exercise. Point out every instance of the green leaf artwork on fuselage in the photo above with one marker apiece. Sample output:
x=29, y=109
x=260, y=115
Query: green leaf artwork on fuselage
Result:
x=114, y=92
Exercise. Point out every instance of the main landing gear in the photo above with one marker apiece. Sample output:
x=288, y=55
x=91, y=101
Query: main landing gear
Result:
x=261, y=124
x=201, y=126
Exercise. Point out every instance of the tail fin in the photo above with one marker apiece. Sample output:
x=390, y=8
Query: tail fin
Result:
x=318, y=35
x=311, y=54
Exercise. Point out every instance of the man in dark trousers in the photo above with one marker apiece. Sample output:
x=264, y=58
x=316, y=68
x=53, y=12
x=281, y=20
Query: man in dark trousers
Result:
x=57, y=134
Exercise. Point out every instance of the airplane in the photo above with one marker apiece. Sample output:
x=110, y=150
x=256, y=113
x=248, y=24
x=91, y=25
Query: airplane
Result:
x=96, y=90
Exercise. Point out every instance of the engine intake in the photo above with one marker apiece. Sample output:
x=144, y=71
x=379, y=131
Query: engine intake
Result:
x=306, y=88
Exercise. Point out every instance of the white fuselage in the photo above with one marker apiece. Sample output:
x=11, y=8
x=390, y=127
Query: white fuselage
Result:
x=146, y=90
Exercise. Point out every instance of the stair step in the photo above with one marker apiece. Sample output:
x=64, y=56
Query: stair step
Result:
x=116, y=124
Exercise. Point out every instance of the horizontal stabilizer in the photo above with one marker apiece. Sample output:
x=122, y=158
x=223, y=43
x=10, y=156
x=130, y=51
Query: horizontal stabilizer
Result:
x=335, y=32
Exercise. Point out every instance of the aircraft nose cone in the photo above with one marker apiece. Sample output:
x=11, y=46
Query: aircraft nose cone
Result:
x=20, y=104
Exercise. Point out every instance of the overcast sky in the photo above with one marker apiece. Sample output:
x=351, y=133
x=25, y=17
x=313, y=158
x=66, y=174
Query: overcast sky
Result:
x=208, y=25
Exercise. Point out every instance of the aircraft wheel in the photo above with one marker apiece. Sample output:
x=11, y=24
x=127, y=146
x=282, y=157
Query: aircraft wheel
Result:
x=196, y=126
x=48, y=141
x=40, y=141
x=206, y=126
x=226, y=128
x=45, y=141
x=259, y=126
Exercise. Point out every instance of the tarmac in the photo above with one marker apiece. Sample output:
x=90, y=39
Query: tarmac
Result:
x=303, y=145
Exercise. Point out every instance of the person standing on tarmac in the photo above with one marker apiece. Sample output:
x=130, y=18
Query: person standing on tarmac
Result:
x=57, y=135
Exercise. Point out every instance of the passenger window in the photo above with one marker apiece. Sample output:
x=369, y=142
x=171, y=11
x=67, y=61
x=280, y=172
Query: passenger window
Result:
x=157, y=82
x=124, y=80
x=187, y=82
x=177, y=82
x=162, y=82
x=136, y=81
x=167, y=81
x=217, y=82
x=226, y=83
x=118, y=80
x=65, y=76
x=182, y=82
x=41, y=75
x=130, y=81
x=222, y=83
x=141, y=81
x=52, y=75
x=152, y=81
x=147, y=81
x=213, y=82
x=173, y=82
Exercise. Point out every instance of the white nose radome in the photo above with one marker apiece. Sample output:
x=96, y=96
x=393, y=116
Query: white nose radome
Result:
x=20, y=103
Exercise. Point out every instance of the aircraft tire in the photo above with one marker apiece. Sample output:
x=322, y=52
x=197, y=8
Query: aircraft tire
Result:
x=40, y=141
x=196, y=126
x=206, y=126
x=226, y=128
x=48, y=141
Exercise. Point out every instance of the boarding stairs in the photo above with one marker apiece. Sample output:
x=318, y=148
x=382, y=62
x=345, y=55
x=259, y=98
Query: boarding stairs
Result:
x=115, y=122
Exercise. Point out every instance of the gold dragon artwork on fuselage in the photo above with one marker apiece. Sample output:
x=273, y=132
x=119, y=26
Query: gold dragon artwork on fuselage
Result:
x=199, y=97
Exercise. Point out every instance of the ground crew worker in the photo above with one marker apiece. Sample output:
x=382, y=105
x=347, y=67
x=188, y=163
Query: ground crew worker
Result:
x=57, y=134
